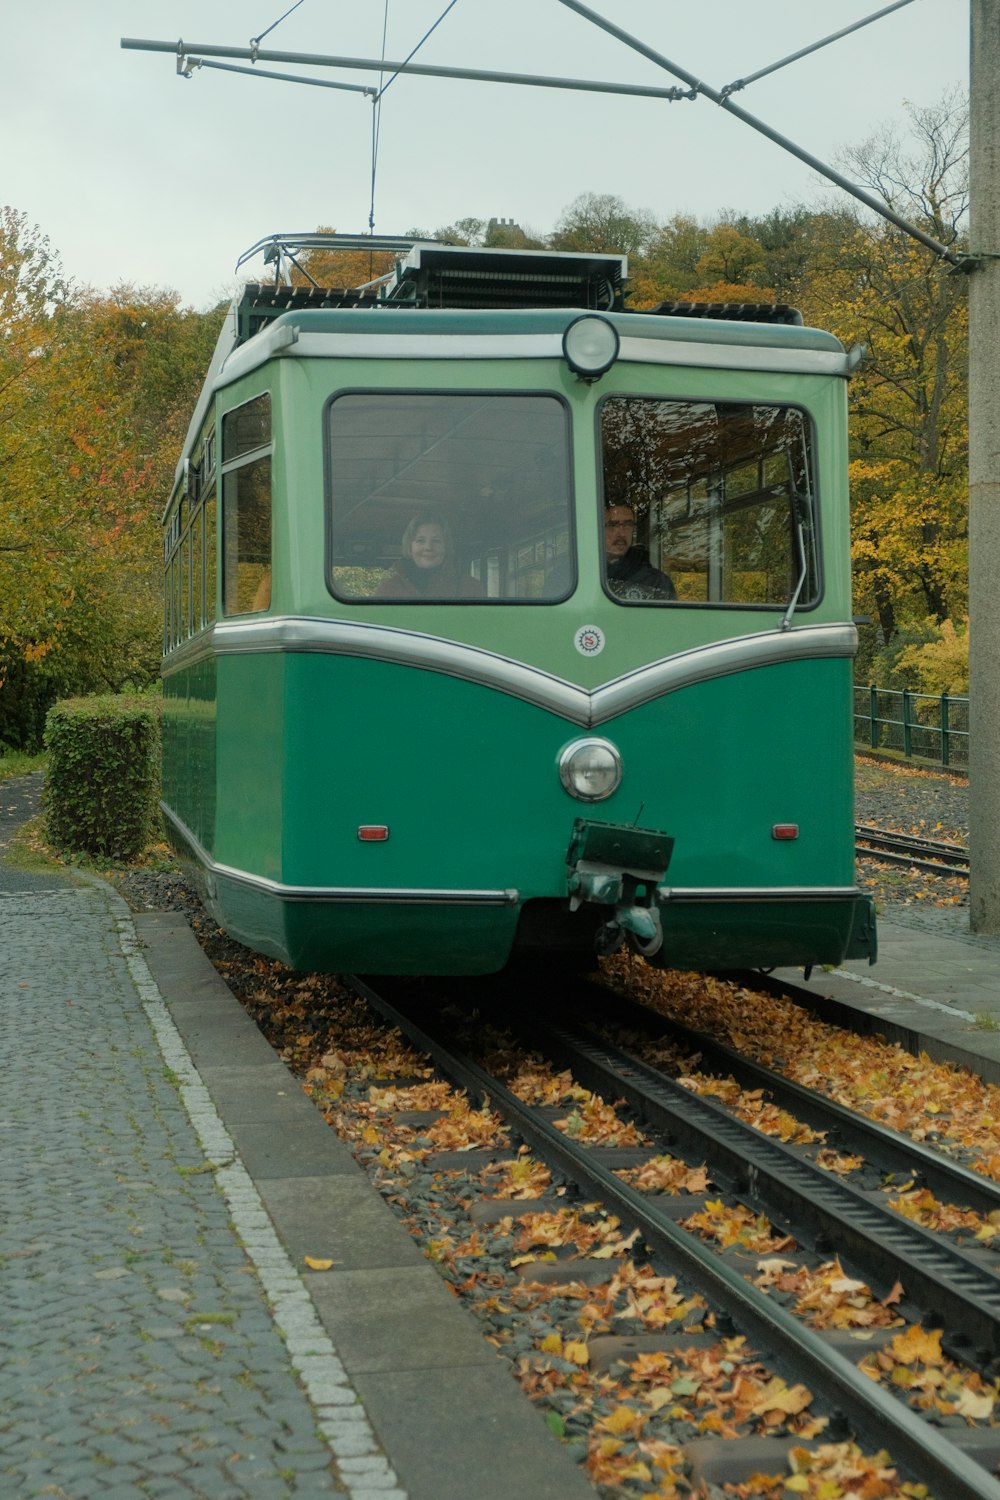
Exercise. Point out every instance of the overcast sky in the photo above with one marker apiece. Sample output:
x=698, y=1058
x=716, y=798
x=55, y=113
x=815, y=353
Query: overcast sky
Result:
x=138, y=175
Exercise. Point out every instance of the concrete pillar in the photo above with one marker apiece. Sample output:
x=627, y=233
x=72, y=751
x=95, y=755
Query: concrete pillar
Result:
x=984, y=470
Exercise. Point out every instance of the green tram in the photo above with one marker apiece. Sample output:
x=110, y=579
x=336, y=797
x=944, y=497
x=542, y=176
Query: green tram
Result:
x=501, y=620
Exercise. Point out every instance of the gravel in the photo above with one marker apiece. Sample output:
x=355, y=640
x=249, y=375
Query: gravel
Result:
x=932, y=805
x=922, y=802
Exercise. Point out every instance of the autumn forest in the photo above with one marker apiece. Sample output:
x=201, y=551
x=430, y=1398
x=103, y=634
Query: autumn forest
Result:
x=96, y=388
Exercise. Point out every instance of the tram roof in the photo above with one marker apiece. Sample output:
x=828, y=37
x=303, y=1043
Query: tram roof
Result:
x=442, y=276
x=435, y=287
x=470, y=278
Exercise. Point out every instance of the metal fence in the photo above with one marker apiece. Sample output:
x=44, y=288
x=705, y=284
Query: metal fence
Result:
x=920, y=726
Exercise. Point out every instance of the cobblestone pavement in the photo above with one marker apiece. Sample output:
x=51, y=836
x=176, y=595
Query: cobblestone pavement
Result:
x=162, y=1179
x=139, y=1357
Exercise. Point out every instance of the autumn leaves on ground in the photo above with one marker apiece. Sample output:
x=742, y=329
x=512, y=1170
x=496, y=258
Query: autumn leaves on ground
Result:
x=706, y=1383
x=362, y=1077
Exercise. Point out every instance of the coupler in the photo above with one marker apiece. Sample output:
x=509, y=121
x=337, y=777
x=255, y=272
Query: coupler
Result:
x=619, y=866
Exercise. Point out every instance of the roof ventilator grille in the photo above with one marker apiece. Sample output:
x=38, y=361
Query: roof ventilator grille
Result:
x=731, y=312
x=586, y=282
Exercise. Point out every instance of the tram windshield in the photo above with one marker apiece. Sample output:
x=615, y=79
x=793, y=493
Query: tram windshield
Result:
x=721, y=502
x=449, y=497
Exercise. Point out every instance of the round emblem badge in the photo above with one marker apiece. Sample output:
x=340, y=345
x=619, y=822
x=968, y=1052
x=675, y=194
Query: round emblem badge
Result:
x=589, y=640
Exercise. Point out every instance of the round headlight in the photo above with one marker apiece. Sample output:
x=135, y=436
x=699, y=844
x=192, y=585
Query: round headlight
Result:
x=590, y=769
x=590, y=346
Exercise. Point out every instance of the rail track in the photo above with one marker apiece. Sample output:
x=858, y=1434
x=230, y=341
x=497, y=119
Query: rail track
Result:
x=933, y=856
x=945, y=1284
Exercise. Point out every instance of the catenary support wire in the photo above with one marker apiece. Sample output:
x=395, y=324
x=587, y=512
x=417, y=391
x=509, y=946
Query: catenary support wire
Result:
x=742, y=83
x=954, y=257
x=255, y=41
x=376, y=124
x=377, y=102
x=410, y=56
x=695, y=87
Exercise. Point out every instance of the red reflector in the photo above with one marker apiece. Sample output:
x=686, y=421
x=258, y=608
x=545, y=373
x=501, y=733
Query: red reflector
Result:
x=785, y=831
x=373, y=833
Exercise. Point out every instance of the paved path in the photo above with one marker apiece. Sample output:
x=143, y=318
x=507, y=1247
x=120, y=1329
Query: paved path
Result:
x=157, y=1341
x=139, y=1355
x=932, y=990
x=161, y=1178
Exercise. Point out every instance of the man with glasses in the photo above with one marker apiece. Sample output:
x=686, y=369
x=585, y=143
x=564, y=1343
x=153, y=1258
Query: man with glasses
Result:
x=630, y=574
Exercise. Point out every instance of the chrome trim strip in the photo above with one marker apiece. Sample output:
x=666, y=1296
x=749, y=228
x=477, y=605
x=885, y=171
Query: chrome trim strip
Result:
x=489, y=669
x=735, y=356
x=345, y=895
x=721, y=659
x=395, y=895
x=375, y=345
x=189, y=653
x=696, y=894
x=465, y=346
x=230, y=361
x=337, y=894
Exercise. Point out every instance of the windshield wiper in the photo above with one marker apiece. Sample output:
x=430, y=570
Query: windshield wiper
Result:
x=799, y=511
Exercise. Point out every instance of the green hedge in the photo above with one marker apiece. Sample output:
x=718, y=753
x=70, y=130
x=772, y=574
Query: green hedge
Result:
x=103, y=778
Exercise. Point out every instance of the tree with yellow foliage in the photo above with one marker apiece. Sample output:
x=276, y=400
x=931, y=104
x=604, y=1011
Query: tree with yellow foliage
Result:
x=95, y=392
x=909, y=419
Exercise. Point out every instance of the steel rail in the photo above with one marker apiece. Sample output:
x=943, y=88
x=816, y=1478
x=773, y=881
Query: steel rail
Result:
x=888, y=1149
x=940, y=848
x=931, y=855
x=948, y=1285
x=880, y=1417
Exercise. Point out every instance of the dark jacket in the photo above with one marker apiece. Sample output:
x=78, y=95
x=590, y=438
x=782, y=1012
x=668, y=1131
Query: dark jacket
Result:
x=634, y=577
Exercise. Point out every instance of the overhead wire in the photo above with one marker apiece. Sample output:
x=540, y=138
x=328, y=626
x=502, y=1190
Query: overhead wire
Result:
x=376, y=125
x=696, y=87
x=421, y=42
x=377, y=101
x=742, y=83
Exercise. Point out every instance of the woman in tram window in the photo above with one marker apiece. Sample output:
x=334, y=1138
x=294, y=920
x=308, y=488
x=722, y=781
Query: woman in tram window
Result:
x=428, y=567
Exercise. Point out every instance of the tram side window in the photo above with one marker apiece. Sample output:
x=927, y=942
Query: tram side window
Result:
x=189, y=561
x=449, y=496
x=169, y=608
x=211, y=561
x=174, y=546
x=246, y=427
x=246, y=530
x=723, y=495
x=184, y=616
x=197, y=569
x=246, y=507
